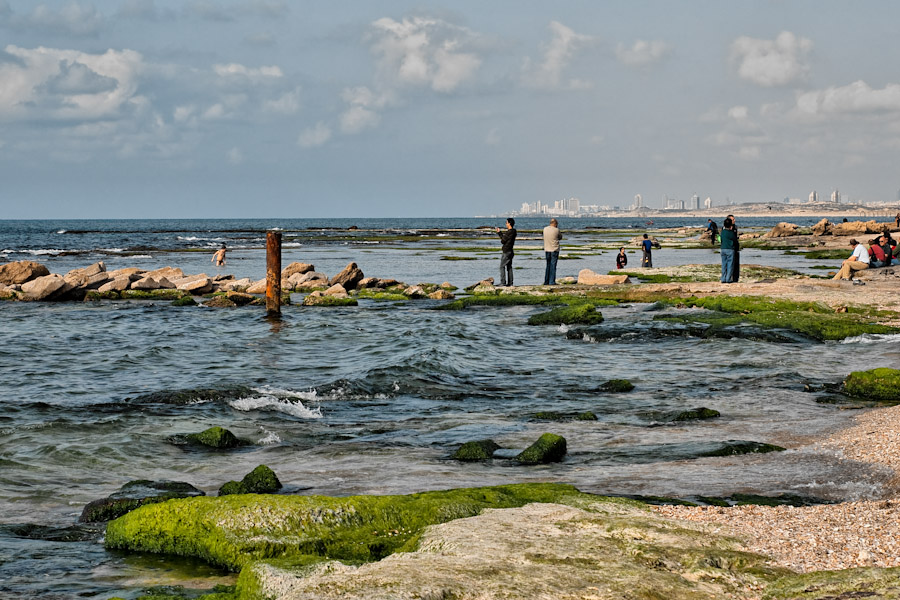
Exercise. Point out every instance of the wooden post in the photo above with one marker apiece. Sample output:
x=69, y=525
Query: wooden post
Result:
x=273, y=273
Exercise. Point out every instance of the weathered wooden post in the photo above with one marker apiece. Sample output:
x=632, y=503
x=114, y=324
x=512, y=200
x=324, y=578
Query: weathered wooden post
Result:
x=273, y=273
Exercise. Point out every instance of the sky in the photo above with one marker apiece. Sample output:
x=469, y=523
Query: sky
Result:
x=389, y=108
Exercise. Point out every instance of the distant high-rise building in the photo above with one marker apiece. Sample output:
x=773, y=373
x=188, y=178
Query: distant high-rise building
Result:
x=695, y=202
x=813, y=196
x=639, y=200
x=707, y=203
x=836, y=196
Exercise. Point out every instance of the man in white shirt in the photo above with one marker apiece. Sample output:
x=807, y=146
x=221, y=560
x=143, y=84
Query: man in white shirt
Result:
x=858, y=261
x=551, y=250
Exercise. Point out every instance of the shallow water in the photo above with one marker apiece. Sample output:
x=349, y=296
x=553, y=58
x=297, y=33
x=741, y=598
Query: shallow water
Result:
x=373, y=400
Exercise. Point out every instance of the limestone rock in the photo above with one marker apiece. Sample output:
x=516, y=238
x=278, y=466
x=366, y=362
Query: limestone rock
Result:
x=94, y=273
x=296, y=267
x=489, y=282
x=170, y=273
x=337, y=290
x=318, y=298
x=236, y=285
x=134, y=494
x=46, y=287
x=216, y=437
x=240, y=298
x=261, y=480
x=16, y=273
x=149, y=283
x=441, y=294
x=476, y=451
x=823, y=227
x=414, y=291
x=6, y=292
x=348, y=277
x=195, y=284
x=119, y=284
x=448, y=286
x=783, y=230
x=368, y=282
x=258, y=287
x=588, y=277
x=857, y=228
x=133, y=273
x=219, y=302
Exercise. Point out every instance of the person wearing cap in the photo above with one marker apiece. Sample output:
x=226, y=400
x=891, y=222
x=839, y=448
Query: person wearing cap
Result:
x=219, y=256
x=551, y=251
x=857, y=261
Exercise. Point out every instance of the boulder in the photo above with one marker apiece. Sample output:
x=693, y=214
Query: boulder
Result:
x=80, y=277
x=95, y=281
x=240, y=298
x=119, y=284
x=616, y=386
x=46, y=287
x=476, y=451
x=337, y=290
x=414, y=291
x=448, y=286
x=368, y=282
x=548, y=448
x=195, y=284
x=857, y=228
x=219, y=302
x=880, y=385
x=441, y=295
x=783, y=230
x=823, y=227
x=134, y=494
x=147, y=283
x=348, y=277
x=484, y=283
x=296, y=267
x=7, y=293
x=170, y=273
x=588, y=277
x=132, y=272
x=386, y=283
x=236, y=285
x=258, y=287
x=320, y=299
x=215, y=437
x=696, y=414
x=15, y=273
x=261, y=480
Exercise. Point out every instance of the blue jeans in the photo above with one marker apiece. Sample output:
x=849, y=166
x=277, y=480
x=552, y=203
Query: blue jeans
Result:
x=506, y=270
x=550, y=271
x=727, y=265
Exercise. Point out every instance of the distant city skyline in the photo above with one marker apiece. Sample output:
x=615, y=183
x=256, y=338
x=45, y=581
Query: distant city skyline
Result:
x=264, y=108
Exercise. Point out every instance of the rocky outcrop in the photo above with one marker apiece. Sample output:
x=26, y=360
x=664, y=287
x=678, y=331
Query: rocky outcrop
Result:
x=783, y=230
x=588, y=277
x=441, y=294
x=348, y=277
x=261, y=480
x=118, y=284
x=17, y=273
x=858, y=227
x=134, y=494
x=476, y=451
x=170, y=273
x=548, y=448
x=195, y=284
x=240, y=298
x=47, y=287
x=823, y=227
x=295, y=268
x=236, y=285
x=257, y=287
x=319, y=298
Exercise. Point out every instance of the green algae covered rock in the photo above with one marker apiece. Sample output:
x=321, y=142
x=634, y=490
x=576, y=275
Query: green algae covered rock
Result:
x=581, y=314
x=475, y=451
x=561, y=416
x=616, y=386
x=232, y=531
x=133, y=495
x=215, y=437
x=697, y=414
x=881, y=385
x=548, y=448
x=261, y=480
x=184, y=301
x=735, y=447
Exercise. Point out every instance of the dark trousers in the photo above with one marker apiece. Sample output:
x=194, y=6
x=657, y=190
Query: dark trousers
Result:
x=506, y=269
x=550, y=271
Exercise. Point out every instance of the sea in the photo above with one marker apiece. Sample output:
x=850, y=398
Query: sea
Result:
x=374, y=399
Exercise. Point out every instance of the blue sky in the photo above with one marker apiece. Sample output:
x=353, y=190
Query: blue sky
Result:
x=262, y=108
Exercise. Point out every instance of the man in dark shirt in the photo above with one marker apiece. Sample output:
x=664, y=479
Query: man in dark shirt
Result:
x=647, y=247
x=507, y=240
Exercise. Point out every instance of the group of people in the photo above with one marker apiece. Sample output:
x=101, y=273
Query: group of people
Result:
x=879, y=252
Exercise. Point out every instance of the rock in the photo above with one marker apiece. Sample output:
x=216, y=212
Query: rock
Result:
x=320, y=299
x=296, y=267
x=46, y=287
x=215, y=437
x=368, y=282
x=80, y=277
x=170, y=273
x=880, y=385
x=258, y=287
x=783, y=230
x=184, y=301
x=118, y=284
x=348, y=277
x=131, y=272
x=414, y=291
x=240, y=298
x=475, y=451
x=134, y=494
x=17, y=273
x=386, y=283
x=558, y=416
x=857, y=228
x=489, y=282
x=823, y=227
x=441, y=294
x=195, y=284
x=448, y=286
x=147, y=283
x=337, y=290
x=236, y=285
x=261, y=480
x=588, y=277
x=548, y=448
x=734, y=447
x=95, y=281
x=585, y=314
x=697, y=414
x=616, y=386
x=219, y=302
x=7, y=293
x=567, y=281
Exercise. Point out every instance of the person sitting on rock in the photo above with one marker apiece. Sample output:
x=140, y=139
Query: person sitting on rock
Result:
x=857, y=261
x=877, y=256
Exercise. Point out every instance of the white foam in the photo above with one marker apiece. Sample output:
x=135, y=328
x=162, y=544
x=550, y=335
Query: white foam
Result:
x=292, y=244
x=868, y=338
x=61, y=231
x=563, y=328
x=294, y=408
x=112, y=250
x=40, y=252
x=188, y=238
x=270, y=439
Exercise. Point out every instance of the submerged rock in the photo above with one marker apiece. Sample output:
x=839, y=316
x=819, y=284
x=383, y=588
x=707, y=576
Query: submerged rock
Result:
x=584, y=314
x=559, y=416
x=735, y=447
x=548, y=448
x=133, y=495
x=881, y=385
x=475, y=451
x=697, y=414
x=219, y=302
x=261, y=480
x=616, y=386
x=215, y=437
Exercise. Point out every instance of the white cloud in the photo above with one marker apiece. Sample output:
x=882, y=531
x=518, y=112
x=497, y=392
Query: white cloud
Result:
x=315, y=136
x=642, y=53
x=738, y=113
x=235, y=156
x=857, y=97
x=286, y=104
x=73, y=19
x=183, y=113
x=363, y=106
x=68, y=84
x=558, y=53
x=239, y=70
x=216, y=111
x=422, y=52
x=771, y=63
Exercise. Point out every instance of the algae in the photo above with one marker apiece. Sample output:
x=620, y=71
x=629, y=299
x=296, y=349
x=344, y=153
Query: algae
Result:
x=476, y=451
x=548, y=448
x=215, y=437
x=735, y=447
x=616, y=386
x=697, y=414
x=560, y=416
x=582, y=314
x=881, y=385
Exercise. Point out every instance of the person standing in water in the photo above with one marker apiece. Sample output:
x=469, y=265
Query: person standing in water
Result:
x=736, y=269
x=551, y=250
x=219, y=256
x=507, y=240
x=647, y=247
